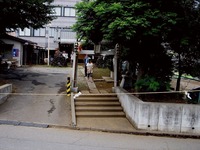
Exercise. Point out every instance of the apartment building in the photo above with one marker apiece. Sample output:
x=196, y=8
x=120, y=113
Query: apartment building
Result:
x=57, y=34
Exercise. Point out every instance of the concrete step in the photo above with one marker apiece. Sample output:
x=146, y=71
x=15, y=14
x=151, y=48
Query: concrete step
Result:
x=109, y=123
x=97, y=103
x=100, y=114
x=99, y=95
x=108, y=79
x=96, y=99
x=98, y=108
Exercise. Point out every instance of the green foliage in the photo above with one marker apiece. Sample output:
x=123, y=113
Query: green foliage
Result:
x=151, y=84
x=121, y=21
x=147, y=84
x=87, y=25
x=158, y=68
x=184, y=38
x=140, y=27
x=27, y=13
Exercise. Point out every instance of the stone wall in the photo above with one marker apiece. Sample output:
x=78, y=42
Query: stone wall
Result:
x=5, y=90
x=180, y=118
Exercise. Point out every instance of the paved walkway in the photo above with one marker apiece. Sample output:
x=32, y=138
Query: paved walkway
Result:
x=91, y=85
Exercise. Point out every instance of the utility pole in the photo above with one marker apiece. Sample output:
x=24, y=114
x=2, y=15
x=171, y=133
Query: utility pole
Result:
x=48, y=43
x=115, y=61
x=75, y=65
x=48, y=53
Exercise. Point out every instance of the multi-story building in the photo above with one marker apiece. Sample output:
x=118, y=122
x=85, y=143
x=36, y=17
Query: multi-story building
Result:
x=38, y=44
x=57, y=34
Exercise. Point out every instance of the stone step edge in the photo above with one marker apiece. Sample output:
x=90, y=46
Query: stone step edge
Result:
x=92, y=115
x=98, y=109
x=96, y=99
x=101, y=113
x=98, y=95
x=93, y=104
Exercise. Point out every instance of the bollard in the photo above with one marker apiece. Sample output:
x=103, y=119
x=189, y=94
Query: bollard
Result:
x=68, y=87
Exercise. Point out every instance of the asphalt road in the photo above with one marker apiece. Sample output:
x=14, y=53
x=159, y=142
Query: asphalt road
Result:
x=29, y=138
x=39, y=96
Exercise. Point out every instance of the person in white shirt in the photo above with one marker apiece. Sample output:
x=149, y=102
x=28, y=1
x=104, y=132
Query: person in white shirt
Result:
x=65, y=55
x=72, y=58
x=90, y=66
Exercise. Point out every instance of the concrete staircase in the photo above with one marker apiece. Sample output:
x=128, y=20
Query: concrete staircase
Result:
x=98, y=105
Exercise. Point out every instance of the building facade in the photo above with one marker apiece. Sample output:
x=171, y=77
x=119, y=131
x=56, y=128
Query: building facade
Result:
x=57, y=34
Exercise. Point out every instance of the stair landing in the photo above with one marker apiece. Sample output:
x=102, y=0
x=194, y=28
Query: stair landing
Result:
x=108, y=124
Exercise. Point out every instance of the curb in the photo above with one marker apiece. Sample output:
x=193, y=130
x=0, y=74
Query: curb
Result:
x=137, y=132
x=141, y=132
x=19, y=123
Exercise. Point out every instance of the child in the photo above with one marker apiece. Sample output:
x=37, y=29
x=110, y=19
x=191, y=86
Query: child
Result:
x=89, y=69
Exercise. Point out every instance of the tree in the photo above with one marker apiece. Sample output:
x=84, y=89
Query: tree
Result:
x=25, y=13
x=87, y=25
x=184, y=39
x=138, y=26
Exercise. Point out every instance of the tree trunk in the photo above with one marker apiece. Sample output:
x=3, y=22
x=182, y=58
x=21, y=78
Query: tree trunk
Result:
x=178, y=83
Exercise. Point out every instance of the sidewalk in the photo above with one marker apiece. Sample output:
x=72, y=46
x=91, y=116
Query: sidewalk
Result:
x=91, y=85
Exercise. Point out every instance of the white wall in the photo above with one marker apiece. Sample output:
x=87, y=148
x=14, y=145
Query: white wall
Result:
x=17, y=45
x=160, y=116
x=6, y=89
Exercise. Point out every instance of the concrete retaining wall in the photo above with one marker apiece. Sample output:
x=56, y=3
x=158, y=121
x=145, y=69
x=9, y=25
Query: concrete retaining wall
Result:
x=178, y=118
x=5, y=90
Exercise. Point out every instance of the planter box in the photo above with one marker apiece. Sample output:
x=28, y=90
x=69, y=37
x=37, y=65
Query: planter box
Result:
x=165, y=117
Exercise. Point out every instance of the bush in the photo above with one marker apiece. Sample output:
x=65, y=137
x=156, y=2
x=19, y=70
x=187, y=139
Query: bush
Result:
x=147, y=84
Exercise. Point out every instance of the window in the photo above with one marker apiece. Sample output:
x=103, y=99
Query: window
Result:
x=39, y=32
x=67, y=34
x=69, y=12
x=51, y=32
x=25, y=32
x=57, y=11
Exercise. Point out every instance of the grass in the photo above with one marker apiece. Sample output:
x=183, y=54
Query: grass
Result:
x=186, y=76
x=102, y=85
x=99, y=72
x=82, y=86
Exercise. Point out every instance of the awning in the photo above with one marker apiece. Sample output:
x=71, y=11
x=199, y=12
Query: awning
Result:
x=67, y=41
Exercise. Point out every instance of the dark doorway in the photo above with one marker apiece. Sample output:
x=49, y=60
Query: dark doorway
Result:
x=67, y=48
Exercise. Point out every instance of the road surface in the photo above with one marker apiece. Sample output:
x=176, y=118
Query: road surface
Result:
x=31, y=138
x=38, y=96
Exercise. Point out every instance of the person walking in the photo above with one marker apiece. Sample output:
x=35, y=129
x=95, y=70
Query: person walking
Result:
x=90, y=66
x=86, y=58
x=72, y=58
